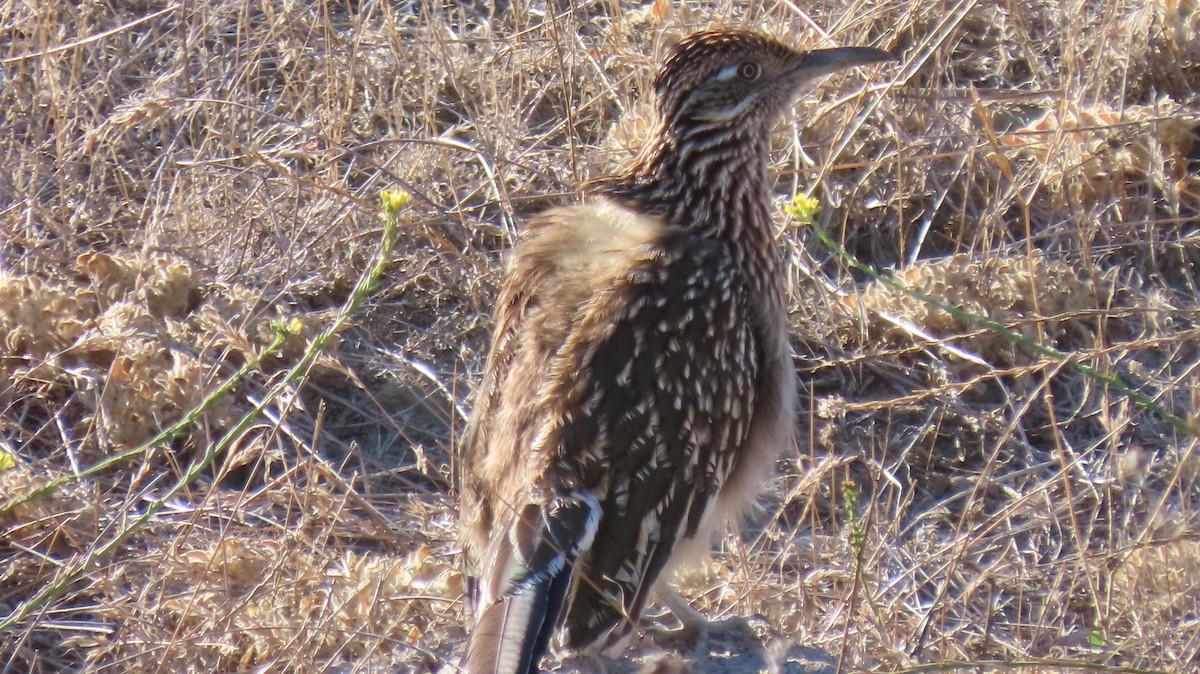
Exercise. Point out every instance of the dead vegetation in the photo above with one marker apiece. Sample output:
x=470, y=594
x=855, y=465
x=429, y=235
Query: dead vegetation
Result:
x=180, y=179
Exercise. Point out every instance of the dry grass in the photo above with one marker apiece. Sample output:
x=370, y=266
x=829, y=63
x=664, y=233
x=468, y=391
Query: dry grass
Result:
x=179, y=177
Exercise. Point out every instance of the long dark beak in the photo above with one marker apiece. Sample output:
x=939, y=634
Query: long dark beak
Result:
x=823, y=62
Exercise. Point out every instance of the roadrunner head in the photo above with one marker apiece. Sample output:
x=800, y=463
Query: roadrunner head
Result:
x=742, y=80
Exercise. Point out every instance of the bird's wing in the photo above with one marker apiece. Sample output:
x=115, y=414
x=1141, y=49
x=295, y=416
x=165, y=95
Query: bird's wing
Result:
x=493, y=454
x=517, y=541
x=515, y=547
x=668, y=392
x=566, y=258
x=633, y=428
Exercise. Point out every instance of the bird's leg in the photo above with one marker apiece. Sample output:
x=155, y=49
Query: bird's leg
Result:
x=580, y=663
x=693, y=622
x=705, y=636
x=694, y=627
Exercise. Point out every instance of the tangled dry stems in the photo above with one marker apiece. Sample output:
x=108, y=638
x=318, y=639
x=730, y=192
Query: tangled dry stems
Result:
x=174, y=186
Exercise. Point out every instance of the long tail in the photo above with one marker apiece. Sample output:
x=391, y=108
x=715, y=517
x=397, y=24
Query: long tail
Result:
x=528, y=575
x=512, y=635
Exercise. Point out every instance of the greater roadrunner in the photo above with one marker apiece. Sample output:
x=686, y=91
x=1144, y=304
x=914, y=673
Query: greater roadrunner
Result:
x=640, y=385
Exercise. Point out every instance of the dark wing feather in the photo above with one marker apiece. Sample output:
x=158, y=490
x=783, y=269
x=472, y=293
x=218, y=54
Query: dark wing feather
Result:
x=664, y=403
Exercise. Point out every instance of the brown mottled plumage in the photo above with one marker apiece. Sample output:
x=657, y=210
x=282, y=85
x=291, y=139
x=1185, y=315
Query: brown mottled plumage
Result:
x=639, y=385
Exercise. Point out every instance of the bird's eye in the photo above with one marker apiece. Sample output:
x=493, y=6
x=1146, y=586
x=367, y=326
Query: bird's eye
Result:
x=749, y=71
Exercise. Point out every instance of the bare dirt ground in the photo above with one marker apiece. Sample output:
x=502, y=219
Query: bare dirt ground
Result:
x=179, y=179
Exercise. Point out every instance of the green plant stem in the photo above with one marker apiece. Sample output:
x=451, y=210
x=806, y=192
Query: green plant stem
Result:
x=167, y=433
x=72, y=571
x=1139, y=399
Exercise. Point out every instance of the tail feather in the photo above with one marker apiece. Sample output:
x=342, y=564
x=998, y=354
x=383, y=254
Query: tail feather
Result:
x=525, y=582
x=513, y=634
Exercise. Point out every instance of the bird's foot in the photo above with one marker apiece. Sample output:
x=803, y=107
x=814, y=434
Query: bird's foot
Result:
x=694, y=629
x=576, y=663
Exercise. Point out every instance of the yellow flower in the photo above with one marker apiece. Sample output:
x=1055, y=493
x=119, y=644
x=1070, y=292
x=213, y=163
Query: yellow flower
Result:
x=393, y=201
x=804, y=209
